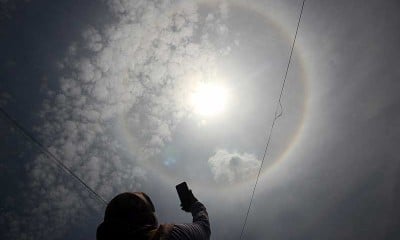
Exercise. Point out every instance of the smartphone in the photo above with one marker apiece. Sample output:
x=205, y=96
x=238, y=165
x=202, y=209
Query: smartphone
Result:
x=183, y=192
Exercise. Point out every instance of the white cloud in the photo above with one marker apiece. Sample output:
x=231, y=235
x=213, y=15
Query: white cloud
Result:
x=228, y=167
x=141, y=68
x=93, y=39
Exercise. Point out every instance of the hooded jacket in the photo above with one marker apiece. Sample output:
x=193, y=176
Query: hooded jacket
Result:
x=131, y=216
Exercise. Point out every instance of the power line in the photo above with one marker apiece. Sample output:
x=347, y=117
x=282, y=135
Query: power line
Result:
x=53, y=157
x=277, y=114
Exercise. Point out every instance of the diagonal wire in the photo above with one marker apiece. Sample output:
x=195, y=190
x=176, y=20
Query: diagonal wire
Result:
x=277, y=114
x=50, y=155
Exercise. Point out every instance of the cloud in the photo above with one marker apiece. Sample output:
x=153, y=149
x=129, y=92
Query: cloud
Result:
x=139, y=68
x=228, y=167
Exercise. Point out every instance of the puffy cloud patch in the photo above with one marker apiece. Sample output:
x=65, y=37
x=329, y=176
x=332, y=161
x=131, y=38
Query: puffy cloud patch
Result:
x=228, y=167
x=140, y=68
x=93, y=39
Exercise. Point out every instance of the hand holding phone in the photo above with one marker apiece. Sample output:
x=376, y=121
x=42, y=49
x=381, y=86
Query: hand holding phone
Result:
x=186, y=196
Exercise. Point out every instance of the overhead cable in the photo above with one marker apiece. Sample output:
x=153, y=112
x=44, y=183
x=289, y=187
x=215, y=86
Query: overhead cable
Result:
x=51, y=156
x=277, y=114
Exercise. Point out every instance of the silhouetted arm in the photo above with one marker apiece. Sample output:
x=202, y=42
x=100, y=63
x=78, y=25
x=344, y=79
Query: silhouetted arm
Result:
x=199, y=229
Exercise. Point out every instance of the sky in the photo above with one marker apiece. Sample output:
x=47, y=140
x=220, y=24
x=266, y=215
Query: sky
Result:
x=142, y=95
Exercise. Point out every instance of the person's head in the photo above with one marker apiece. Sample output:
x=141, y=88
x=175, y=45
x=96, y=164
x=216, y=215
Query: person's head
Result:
x=128, y=216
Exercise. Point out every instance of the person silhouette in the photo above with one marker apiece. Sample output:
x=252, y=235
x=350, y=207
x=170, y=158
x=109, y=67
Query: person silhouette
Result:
x=131, y=215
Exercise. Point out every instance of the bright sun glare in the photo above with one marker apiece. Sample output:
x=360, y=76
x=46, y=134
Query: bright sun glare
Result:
x=209, y=99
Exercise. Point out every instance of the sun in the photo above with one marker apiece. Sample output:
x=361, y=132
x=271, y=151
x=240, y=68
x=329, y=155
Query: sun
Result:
x=209, y=99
